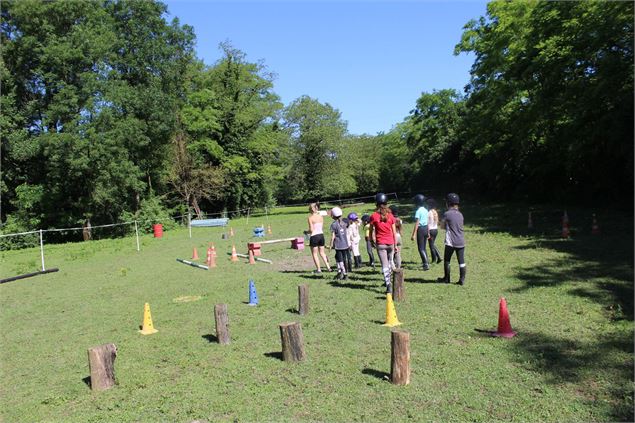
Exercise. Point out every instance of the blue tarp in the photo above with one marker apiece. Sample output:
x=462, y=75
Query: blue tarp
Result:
x=209, y=222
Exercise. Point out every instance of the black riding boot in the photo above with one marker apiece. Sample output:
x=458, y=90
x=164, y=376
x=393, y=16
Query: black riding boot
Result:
x=462, y=271
x=446, y=273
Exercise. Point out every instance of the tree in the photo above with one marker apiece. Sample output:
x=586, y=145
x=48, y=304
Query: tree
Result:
x=317, y=132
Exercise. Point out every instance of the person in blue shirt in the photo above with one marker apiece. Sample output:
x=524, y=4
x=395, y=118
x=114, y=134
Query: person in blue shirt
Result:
x=421, y=229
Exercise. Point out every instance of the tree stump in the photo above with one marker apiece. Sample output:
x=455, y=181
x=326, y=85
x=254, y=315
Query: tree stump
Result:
x=303, y=299
x=399, y=293
x=400, y=358
x=292, y=341
x=101, y=362
x=222, y=324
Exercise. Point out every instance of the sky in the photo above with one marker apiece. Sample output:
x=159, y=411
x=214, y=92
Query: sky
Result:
x=371, y=60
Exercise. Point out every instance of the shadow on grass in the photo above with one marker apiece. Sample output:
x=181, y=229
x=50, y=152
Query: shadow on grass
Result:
x=377, y=374
x=349, y=285
x=292, y=310
x=210, y=338
x=86, y=380
x=571, y=361
x=274, y=354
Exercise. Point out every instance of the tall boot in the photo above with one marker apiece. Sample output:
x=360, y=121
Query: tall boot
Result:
x=446, y=273
x=424, y=256
x=462, y=271
x=349, y=262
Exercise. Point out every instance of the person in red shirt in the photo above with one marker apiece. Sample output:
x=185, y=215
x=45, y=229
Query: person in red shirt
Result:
x=383, y=235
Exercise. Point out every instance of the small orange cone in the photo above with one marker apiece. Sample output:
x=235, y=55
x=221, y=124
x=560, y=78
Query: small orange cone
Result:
x=530, y=223
x=268, y=229
x=147, y=328
x=231, y=231
x=252, y=260
x=504, y=326
x=194, y=254
x=565, y=225
x=234, y=255
x=212, y=260
x=595, y=229
x=213, y=250
x=208, y=260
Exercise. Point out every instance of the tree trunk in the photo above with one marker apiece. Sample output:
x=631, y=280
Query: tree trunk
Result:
x=303, y=299
x=399, y=293
x=400, y=358
x=222, y=324
x=101, y=361
x=292, y=342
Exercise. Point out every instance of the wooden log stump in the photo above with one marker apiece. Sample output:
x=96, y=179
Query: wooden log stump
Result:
x=292, y=342
x=399, y=293
x=101, y=362
x=303, y=299
x=400, y=358
x=222, y=324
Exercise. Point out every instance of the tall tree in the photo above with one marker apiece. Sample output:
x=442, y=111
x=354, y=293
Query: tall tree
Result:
x=317, y=131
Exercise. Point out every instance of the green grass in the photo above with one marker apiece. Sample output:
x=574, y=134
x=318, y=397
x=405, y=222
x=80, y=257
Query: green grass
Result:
x=571, y=302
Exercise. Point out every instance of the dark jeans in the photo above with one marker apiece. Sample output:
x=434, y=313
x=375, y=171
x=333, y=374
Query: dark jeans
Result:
x=434, y=252
x=422, y=238
x=371, y=256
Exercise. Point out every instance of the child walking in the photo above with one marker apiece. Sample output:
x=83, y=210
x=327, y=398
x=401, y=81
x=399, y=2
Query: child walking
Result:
x=421, y=229
x=339, y=241
x=354, y=238
x=384, y=236
x=369, y=245
x=396, y=258
x=454, y=239
x=433, y=230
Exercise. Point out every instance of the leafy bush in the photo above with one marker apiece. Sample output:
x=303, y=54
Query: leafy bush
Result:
x=151, y=211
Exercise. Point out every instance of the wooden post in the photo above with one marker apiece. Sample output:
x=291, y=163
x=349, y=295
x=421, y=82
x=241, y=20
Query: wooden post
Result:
x=303, y=299
x=101, y=362
x=292, y=341
x=222, y=324
x=400, y=357
x=399, y=293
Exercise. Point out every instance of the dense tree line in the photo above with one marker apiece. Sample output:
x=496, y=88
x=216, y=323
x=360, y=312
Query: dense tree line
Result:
x=107, y=113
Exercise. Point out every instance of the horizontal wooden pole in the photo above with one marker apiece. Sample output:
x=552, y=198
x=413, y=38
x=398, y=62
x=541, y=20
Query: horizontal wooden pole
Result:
x=28, y=275
x=200, y=266
x=273, y=241
x=256, y=258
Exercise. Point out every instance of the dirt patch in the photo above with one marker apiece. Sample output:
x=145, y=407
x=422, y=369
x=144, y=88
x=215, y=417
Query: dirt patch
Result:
x=303, y=263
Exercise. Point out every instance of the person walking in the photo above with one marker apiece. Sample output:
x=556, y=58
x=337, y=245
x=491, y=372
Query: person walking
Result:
x=383, y=235
x=396, y=259
x=421, y=229
x=433, y=230
x=339, y=241
x=454, y=239
x=316, y=241
x=369, y=245
x=354, y=238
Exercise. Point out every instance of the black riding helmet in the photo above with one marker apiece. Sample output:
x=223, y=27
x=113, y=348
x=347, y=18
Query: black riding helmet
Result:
x=365, y=218
x=419, y=199
x=452, y=199
x=381, y=198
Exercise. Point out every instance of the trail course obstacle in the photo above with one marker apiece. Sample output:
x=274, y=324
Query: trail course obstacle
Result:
x=209, y=222
x=297, y=243
x=29, y=275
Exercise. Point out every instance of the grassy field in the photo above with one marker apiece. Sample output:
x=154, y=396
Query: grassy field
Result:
x=571, y=302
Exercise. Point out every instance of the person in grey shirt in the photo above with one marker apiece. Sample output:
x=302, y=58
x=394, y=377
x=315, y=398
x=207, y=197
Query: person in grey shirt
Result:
x=454, y=239
x=339, y=241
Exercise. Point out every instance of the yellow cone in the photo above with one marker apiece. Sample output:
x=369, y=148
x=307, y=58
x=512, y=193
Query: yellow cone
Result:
x=147, y=328
x=391, y=313
x=269, y=229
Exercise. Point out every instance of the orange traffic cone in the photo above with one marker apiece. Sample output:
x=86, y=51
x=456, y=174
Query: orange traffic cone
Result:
x=595, y=229
x=208, y=260
x=231, y=231
x=213, y=250
x=252, y=260
x=212, y=260
x=234, y=255
x=194, y=254
x=504, y=326
x=565, y=225
x=268, y=229
x=530, y=223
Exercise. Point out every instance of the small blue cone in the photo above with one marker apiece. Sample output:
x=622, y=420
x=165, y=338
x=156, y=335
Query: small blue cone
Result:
x=253, y=297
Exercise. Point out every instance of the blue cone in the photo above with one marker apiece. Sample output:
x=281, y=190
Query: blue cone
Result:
x=253, y=297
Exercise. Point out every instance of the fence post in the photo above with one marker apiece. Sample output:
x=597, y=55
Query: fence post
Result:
x=189, y=222
x=136, y=230
x=42, y=250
